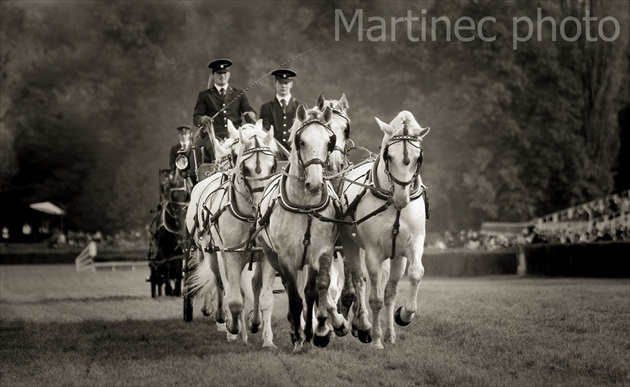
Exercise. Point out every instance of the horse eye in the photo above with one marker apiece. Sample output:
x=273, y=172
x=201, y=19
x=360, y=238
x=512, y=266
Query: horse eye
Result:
x=301, y=143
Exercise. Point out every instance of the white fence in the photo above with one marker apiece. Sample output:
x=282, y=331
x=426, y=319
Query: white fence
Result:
x=86, y=261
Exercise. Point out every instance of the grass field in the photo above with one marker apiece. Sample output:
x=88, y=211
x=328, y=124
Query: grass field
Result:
x=59, y=327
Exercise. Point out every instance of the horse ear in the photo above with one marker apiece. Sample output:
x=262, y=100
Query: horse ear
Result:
x=424, y=131
x=320, y=101
x=219, y=150
x=384, y=127
x=232, y=130
x=259, y=125
x=301, y=113
x=327, y=114
x=269, y=136
x=242, y=138
x=343, y=103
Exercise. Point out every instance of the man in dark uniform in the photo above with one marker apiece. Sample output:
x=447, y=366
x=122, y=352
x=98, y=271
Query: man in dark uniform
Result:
x=220, y=95
x=280, y=111
x=185, y=135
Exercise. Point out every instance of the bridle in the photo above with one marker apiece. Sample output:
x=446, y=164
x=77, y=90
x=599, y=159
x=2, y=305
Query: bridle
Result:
x=346, y=131
x=332, y=141
x=406, y=138
x=246, y=155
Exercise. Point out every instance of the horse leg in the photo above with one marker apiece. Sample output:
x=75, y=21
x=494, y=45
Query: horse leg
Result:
x=353, y=270
x=295, y=306
x=264, y=300
x=348, y=294
x=248, y=299
x=177, y=291
x=219, y=313
x=310, y=295
x=338, y=321
x=374, y=268
x=397, y=269
x=406, y=313
x=232, y=264
x=324, y=303
x=255, y=318
x=168, y=288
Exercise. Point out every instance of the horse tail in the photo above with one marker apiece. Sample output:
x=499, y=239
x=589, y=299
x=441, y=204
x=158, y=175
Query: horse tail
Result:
x=201, y=281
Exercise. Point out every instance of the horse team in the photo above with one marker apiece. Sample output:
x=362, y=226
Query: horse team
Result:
x=251, y=221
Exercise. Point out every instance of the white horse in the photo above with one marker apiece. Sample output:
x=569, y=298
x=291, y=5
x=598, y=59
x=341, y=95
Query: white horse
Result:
x=229, y=210
x=384, y=213
x=340, y=126
x=196, y=229
x=297, y=215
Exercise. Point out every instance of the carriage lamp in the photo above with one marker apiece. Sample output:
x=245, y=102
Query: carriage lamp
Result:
x=181, y=162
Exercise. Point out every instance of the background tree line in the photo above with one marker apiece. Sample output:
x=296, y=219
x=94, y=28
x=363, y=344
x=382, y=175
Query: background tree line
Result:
x=91, y=93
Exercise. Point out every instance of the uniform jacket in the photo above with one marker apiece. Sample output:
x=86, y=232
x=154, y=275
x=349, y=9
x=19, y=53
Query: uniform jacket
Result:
x=271, y=114
x=209, y=102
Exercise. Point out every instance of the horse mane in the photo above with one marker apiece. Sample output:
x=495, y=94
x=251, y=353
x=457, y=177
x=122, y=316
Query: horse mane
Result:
x=404, y=124
x=251, y=131
x=405, y=119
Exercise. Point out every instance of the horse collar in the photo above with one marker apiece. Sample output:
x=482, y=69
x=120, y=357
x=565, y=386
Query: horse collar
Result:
x=300, y=208
x=234, y=210
x=417, y=191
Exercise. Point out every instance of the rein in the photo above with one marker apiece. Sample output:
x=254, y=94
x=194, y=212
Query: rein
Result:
x=230, y=188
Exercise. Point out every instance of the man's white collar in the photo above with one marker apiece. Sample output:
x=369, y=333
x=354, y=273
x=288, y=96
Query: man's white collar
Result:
x=225, y=87
x=287, y=99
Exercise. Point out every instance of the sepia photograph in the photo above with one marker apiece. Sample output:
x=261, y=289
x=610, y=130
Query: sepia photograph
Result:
x=315, y=193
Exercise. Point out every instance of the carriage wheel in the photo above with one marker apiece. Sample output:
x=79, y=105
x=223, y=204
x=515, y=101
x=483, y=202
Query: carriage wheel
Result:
x=152, y=283
x=188, y=308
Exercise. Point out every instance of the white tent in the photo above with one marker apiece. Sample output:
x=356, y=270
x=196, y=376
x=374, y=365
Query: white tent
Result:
x=48, y=208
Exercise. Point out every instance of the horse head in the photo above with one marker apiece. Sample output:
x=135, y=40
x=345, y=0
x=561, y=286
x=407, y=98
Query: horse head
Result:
x=220, y=149
x=256, y=158
x=340, y=125
x=313, y=140
x=178, y=191
x=401, y=153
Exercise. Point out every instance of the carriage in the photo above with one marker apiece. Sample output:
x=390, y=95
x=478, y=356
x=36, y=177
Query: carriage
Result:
x=166, y=242
x=319, y=202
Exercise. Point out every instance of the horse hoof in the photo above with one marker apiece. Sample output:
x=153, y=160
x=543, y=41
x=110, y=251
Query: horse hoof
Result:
x=269, y=345
x=364, y=336
x=399, y=319
x=232, y=329
x=221, y=327
x=253, y=329
x=321, y=341
x=342, y=330
x=293, y=339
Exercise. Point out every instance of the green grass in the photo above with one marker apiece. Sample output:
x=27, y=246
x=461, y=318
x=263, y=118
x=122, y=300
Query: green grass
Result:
x=59, y=327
